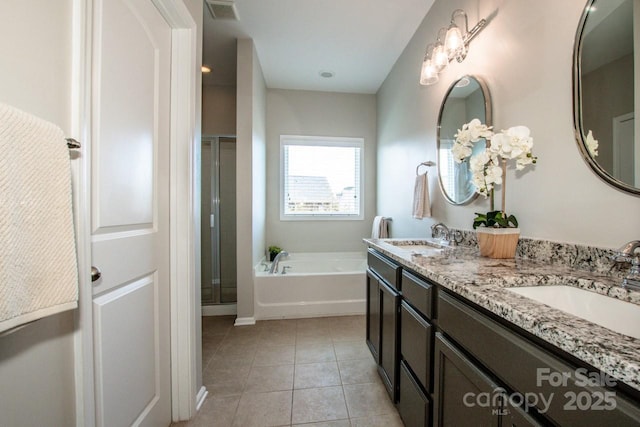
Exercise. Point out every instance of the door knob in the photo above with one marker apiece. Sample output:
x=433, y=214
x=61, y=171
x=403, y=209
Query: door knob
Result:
x=95, y=274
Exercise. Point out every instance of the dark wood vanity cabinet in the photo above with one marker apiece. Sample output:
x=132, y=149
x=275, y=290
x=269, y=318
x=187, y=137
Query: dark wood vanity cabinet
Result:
x=416, y=350
x=383, y=304
x=526, y=370
x=373, y=315
x=441, y=356
x=400, y=336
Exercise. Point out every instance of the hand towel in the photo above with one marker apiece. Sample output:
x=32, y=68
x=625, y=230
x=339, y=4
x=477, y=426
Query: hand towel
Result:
x=38, y=268
x=421, y=202
x=380, y=229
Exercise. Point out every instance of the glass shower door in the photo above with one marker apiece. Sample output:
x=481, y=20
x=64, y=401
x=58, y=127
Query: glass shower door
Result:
x=218, y=228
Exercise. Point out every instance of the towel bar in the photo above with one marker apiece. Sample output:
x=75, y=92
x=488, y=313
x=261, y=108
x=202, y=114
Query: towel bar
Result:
x=72, y=144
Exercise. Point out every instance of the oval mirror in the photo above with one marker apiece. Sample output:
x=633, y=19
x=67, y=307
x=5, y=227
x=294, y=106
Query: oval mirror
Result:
x=466, y=99
x=605, y=91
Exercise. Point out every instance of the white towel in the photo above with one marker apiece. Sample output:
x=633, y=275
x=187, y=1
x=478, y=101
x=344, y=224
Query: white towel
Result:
x=421, y=203
x=38, y=269
x=380, y=229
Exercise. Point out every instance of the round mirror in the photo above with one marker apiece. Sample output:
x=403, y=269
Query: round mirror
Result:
x=466, y=99
x=605, y=93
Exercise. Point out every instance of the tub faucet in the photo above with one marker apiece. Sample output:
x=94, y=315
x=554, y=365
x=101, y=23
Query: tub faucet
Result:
x=447, y=237
x=276, y=260
x=627, y=254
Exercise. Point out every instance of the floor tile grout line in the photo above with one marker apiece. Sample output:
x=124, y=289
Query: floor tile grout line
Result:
x=293, y=384
x=218, y=348
x=298, y=340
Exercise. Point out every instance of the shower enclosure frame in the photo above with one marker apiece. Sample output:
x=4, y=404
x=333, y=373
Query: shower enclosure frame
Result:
x=213, y=222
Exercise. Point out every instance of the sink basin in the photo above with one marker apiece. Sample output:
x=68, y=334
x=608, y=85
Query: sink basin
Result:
x=415, y=245
x=418, y=247
x=619, y=316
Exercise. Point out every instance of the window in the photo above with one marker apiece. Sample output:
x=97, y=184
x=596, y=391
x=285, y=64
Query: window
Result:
x=321, y=178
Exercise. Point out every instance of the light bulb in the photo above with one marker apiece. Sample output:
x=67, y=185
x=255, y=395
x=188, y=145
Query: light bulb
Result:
x=454, y=43
x=439, y=58
x=428, y=73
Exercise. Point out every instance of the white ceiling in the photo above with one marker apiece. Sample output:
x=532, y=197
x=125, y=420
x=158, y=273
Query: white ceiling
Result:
x=608, y=33
x=358, y=40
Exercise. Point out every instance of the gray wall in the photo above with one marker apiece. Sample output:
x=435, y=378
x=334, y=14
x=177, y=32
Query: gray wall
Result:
x=250, y=175
x=525, y=57
x=607, y=94
x=36, y=362
x=294, y=112
x=218, y=110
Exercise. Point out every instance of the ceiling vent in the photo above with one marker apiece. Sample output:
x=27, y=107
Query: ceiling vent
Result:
x=223, y=9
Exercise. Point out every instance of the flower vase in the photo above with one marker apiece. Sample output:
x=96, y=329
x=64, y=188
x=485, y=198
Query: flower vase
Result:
x=499, y=243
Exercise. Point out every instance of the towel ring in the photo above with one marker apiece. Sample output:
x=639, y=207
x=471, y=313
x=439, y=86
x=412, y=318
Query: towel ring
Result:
x=427, y=163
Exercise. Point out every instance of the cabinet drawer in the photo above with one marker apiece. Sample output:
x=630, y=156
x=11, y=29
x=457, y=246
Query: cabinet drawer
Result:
x=418, y=293
x=384, y=268
x=529, y=369
x=415, y=344
x=414, y=407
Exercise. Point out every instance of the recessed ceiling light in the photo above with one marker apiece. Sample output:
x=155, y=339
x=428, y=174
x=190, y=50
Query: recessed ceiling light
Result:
x=206, y=69
x=463, y=82
x=327, y=74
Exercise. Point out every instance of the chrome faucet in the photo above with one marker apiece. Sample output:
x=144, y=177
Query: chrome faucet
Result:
x=276, y=260
x=447, y=237
x=627, y=254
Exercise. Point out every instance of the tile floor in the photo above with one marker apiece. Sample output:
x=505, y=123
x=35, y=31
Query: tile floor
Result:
x=299, y=372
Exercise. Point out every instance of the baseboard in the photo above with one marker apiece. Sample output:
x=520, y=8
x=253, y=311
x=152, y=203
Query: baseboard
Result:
x=245, y=321
x=220, y=310
x=200, y=397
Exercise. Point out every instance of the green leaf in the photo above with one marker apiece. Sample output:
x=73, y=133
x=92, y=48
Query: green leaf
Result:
x=479, y=220
x=494, y=219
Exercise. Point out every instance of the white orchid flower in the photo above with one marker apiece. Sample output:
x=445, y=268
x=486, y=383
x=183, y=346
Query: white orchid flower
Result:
x=460, y=152
x=592, y=144
x=486, y=166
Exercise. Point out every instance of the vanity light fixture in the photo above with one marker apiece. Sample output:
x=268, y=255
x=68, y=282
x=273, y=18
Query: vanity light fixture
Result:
x=439, y=55
x=429, y=73
x=455, y=46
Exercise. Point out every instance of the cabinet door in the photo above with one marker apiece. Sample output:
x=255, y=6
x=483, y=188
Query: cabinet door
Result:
x=415, y=344
x=462, y=392
x=413, y=405
x=516, y=417
x=389, y=349
x=373, y=315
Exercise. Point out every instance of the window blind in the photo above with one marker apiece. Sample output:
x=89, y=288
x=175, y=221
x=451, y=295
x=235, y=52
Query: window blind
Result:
x=321, y=177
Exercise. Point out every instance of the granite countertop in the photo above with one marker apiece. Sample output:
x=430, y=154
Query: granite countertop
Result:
x=482, y=280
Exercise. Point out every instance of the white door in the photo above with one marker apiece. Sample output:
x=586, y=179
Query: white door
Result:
x=130, y=213
x=624, y=149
